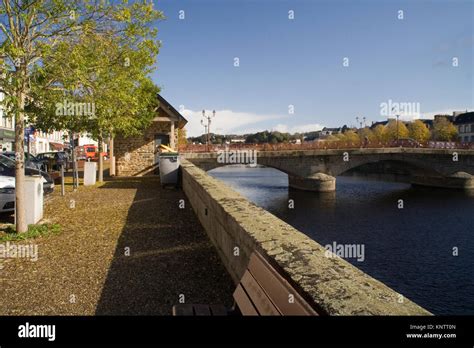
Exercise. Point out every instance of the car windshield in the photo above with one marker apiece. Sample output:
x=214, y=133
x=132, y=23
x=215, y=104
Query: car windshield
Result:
x=30, y=157
x=7, y=162
x=9, y=155
x=90, y=149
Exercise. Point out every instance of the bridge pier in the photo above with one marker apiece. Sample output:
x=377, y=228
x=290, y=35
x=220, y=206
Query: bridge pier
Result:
x=319, y=182
x=462, y=181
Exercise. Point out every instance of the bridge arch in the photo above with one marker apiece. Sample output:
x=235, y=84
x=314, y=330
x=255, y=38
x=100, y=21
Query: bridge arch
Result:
x=316, y=170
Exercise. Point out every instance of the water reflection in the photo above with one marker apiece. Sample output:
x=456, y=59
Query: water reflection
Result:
x=409, y=249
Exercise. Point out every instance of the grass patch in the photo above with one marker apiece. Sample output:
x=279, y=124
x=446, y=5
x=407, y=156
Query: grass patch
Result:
x=34, y=231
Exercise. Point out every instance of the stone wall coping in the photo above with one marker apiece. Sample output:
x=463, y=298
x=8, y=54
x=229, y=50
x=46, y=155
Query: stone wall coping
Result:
x=333, y=284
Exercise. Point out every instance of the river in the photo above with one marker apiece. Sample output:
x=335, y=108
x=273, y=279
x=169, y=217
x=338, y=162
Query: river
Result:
x=425, y=250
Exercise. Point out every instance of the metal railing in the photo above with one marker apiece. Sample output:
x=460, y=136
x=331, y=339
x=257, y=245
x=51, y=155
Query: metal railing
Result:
x=325, y=145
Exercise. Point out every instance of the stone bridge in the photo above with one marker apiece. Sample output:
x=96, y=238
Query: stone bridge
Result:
x=316, y=170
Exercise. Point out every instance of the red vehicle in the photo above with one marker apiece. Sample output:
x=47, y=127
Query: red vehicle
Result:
x=90, y=151
x=85, y=152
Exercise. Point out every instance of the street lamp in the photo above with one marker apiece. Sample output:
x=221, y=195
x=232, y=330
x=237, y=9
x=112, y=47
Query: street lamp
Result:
x=398, y=131
x=398, y=134
x=208, y=127
x=205, y=129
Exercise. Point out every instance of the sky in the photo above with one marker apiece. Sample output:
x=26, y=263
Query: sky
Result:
x=331, y=62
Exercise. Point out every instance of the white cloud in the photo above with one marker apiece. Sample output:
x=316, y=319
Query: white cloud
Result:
x=298, y=128
x=428, y=114
x=431, y=114
x=225, y=122
x=237, y=122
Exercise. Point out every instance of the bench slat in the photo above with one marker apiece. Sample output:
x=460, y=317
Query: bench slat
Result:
x=202, y=310
x=257, y=295
x=242, y=299
x=218, y=310
x=277, y=288
x=183, y=309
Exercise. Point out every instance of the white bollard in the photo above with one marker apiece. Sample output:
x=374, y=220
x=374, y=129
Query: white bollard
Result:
x=90, y=169
x=34, y=198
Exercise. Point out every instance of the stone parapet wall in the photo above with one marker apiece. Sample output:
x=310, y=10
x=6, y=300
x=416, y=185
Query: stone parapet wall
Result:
x=237, y=228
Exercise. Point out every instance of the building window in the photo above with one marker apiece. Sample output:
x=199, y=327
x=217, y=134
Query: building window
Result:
x=472, y=128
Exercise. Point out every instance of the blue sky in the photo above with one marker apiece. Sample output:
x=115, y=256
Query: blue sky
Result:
x=299, y=62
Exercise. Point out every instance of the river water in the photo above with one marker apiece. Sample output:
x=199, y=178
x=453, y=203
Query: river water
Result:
x=413, y=250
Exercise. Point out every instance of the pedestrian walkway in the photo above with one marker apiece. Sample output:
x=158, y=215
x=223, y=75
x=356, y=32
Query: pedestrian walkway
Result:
x=126, y=247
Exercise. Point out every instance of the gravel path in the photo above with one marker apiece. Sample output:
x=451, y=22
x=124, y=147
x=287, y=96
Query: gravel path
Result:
x=125, y=248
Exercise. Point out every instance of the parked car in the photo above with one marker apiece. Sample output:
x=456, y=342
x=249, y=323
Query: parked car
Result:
x=30, y=160
x=7, y=168
x=52, y=161
x=7, y=194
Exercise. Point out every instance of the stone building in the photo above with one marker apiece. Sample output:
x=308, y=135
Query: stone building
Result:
x=465, y=124
x=138, y=155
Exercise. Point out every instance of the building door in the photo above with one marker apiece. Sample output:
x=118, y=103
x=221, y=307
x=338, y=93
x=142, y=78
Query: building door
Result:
x=161, y=138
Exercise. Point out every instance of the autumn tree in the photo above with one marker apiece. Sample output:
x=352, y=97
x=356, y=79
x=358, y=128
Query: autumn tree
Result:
x=419, y=131
x=366, y=134
x=393, y=127
x=30, y=30
x=444, y=130
x=351, y=137
x=380, y=133
x=333, y=137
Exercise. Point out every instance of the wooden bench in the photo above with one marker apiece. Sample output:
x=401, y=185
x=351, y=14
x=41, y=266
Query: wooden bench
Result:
x=261, y=291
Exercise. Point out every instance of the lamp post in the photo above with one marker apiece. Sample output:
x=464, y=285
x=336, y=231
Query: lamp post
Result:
x=398, y=134
x=360, y=121
x=398, y=131
x=208, y=126
x=205, y=130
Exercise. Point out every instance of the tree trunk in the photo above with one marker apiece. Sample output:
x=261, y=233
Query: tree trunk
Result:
x=101, y=160
x=20, y=213
x=112, y=156
x=75, y=180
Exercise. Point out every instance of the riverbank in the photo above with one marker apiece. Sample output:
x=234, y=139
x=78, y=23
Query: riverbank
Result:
x=125, y=247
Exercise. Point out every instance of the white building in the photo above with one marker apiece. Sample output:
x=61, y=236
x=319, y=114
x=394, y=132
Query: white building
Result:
x=46, y=142
x=465, y=124
x=39, y=141
x=85, y=139
x=7, y=130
